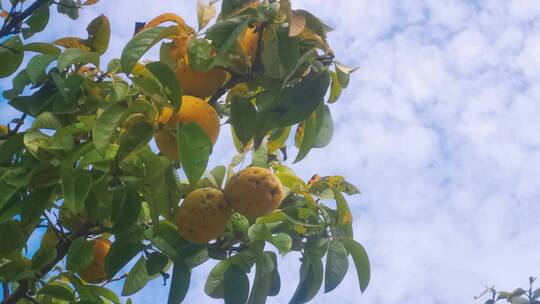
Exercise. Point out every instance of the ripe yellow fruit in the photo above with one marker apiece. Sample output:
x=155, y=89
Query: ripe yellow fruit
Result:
x=95, y=273
x=203, y=215
x=199, y=84
x=3, y=130
x=193, y=110
x=254, y=192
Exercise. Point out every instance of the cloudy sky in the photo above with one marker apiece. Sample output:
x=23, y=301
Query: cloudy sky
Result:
x=438, y=128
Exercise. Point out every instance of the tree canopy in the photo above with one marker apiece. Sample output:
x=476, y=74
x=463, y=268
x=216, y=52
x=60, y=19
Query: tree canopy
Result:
x=112, y=163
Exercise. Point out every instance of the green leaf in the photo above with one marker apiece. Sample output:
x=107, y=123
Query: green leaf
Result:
x=282, y=241
x=229, y=7
x=244, y=118
x=125, y=212
x=214, y=286
x=59, y=291
x=99, y=34
x=311, y=277
x=80, y=255
x=312, y=127
x=42, y=47
x=281, y=52
x=20, y=81
x=11, y=56
x=39, y=19
x=42, y=257
x=76, y=185
x=120, y=253
x=335, y=88
x=76, y=56
x=136, y=279
x=296, y=103
x=166, y=238
x=37, y=66
x=264, y=275
x=236, y=286
x=344, y=215
x=156, y=263
x=327, y=131
x=276, y=280
x=69, y=8
x=200, y=55
x=142, y=42
x=134, y=139
x=337, y=264
x=194, y=149
x=259, y=156
x=224, y=35
x=47, y=120
x=11, y=237
x=181, y=277
x=344, y=74
x=361, y=261
x=106, y=125
x=169, y=81
x=104, y=292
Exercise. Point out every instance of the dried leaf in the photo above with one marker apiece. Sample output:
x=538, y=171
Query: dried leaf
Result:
x=297, y=25
x=205, y=13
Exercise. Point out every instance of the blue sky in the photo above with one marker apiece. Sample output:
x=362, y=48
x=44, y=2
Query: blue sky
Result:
x=439, y=128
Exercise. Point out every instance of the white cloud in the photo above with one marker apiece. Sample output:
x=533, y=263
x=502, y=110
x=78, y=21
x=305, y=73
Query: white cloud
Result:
x=439, y=129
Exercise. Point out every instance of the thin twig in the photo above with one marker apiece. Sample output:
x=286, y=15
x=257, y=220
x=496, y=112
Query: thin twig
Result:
x=16, y=21
x=19, y=124
x=229, y=85
x=61, y=249
x=115, y=279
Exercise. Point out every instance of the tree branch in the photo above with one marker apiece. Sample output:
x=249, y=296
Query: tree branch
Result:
x=61, y=251
x=16, y=20
x=229, y=85
x=20, y=123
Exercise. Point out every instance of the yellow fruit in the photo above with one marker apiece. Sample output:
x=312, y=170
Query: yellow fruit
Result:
x=203, y=215
x=199, y=84
x=3, y=130
x=70, y=220
x=254, y=192
x=95, y=273
x=193, y=110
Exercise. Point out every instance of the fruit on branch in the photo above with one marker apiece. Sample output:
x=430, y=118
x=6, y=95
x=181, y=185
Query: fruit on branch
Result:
x=199, y=84
x=254, y=192
x=95, y=273
x=193, y=109
x=203, y=215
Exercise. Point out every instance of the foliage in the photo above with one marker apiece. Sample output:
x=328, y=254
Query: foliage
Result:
x=517, y=296
x=88, y=153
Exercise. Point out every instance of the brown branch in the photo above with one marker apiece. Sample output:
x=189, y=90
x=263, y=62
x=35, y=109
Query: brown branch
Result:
x=115, y=279
x=226, y=87
x=19, y=124
x=16, y=20
x=61, y=251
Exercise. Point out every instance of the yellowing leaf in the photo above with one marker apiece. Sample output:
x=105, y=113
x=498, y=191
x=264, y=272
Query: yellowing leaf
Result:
x=90, y=2
x=73, y=42
x=297, y=24
x=140, y=70
x=4, y=14
x=205, y=13
x=169, y=17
